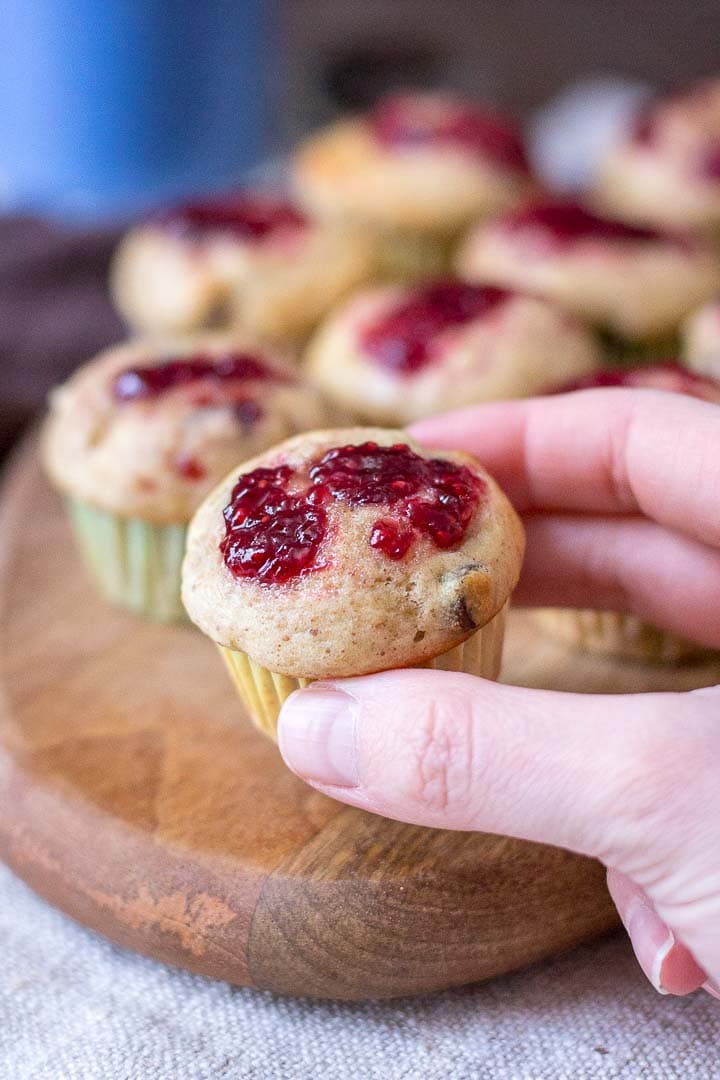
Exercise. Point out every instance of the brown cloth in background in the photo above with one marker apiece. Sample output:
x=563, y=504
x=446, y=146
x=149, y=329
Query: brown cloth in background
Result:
x=55, y=311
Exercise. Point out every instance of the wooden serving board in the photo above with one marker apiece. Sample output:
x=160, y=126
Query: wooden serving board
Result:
x=136, y=797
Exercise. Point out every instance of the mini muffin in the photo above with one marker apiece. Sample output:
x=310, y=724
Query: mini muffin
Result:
x=247, y=262
x=347, y=552
x=419, y=167
x=137, y=438
x=636, y=283
x=701, y=345
x=612, y=633
x=396, y=353
x=666, y=172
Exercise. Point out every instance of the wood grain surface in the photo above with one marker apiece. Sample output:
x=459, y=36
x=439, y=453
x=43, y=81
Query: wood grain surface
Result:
x=136, y=797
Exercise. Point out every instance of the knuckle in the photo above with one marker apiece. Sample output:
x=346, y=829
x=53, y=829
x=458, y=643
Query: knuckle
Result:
x=668, y=761
x=441, y=775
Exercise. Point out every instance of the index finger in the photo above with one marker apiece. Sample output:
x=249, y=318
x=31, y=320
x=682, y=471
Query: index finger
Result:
x=598, y=451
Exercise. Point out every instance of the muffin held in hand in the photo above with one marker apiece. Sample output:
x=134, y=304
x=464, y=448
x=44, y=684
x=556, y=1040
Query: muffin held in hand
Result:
x=419, y=167
x=666, y=171
x=347, y=552
x=248, y=262
x=701, y=345
x=636, y=283
x=612, y=633
x=396, y=353
x=137, y=438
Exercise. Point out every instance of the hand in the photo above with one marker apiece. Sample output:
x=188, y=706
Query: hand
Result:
x=620, y=490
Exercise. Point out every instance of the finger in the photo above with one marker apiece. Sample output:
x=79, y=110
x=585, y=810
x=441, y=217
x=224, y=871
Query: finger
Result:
x=451, y=751
x=670, y=967
x=623, y=564
x=607, y=451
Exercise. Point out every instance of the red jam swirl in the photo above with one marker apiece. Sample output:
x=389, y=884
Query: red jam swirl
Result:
x=710, y=163
x=246, y=217
x=404, y=121
x=276, y=520
x=402, y=340
x=142, y=383
x=669, y=376
x=646, y=131
x=562, y=224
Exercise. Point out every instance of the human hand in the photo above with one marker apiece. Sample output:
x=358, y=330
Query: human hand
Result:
x=620, y=493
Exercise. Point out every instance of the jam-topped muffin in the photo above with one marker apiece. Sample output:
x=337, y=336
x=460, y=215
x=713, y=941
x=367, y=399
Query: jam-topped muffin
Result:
x=137, y=438
x=666, y=171
x=248, y=262
x=346, y=552
x=611, y=633
x=701, y=340
x=419, y=167
x=637, y=283
x=396, y=353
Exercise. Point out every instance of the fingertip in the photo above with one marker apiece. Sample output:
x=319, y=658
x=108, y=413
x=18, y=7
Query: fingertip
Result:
x=668, y=964
x=316, y=736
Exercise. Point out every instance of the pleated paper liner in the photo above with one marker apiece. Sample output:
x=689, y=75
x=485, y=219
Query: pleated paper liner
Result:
x=615, y=634
x=623, y=353
x=410, y=256
x=264, y=692
x=135, y=564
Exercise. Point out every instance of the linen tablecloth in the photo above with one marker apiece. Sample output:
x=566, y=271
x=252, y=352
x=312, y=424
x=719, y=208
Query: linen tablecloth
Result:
x=73, y=1007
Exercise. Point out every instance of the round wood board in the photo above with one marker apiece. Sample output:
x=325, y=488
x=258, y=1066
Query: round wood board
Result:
x=136, y=797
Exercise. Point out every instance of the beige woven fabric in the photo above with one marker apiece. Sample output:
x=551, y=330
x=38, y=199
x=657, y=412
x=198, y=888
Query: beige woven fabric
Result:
x=73, y=1007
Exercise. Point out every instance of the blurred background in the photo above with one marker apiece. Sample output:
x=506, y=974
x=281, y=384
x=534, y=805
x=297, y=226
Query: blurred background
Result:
x=107, y=110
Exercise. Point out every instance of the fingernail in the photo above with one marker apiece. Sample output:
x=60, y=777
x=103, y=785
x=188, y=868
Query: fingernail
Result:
x=652, y=939
x=316, y=734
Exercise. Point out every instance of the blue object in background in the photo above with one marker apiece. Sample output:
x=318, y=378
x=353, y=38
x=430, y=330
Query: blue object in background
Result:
x=108, y=107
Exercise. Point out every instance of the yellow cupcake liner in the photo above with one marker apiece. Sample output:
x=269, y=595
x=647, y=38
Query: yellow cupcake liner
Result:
x=409, y=256
x=134, y=563
x=622, y=352
x=614, y=634
x=264, y=692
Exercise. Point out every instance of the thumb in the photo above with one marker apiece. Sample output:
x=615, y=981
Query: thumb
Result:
x=453, y=751
x=629, y=780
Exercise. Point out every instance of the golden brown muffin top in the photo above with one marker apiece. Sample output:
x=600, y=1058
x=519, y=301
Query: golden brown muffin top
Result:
x=349, y=551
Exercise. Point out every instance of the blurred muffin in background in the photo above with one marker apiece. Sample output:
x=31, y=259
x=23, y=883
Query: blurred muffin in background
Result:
x=635, y=283
x=667, y=171
x=248, y=262
x=419, y=167
x=701, y=340
x=614, y=633
x=395, y=353
x=137, y=438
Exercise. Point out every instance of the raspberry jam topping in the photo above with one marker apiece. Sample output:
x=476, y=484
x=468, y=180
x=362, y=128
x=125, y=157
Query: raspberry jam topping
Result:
x=562, y=224
x=669, y=376
x=276, y=520
x=647, y=131
x=243, y=216
x=710, y=163
x=141, y=383
x=402, y=340
x=644, y=127
x=189, y=467
x=408, y=121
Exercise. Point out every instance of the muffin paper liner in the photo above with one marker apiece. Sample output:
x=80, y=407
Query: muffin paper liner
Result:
x=621, y=352
x=615, y=634
x=264, y=692
x=135, y=564
x=411, y=256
